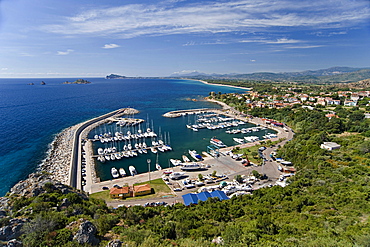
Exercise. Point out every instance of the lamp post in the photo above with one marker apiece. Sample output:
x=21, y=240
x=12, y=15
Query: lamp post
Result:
x=149, y=160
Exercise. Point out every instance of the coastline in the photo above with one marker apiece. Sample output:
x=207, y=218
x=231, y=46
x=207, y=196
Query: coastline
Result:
x=223, y=85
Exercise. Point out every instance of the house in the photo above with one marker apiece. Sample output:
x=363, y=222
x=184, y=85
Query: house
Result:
x=140, y=190
x=330, y=146
x=119, y=192
x=350, y=103
x=331, y=115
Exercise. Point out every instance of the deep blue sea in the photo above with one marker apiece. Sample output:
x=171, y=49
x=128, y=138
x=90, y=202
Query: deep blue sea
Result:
x=31, y=115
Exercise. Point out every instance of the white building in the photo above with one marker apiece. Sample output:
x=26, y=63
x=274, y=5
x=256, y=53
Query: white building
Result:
x=330, y=146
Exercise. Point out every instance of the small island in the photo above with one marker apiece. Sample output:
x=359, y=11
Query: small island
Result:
x=114, y=76
x=78, y=81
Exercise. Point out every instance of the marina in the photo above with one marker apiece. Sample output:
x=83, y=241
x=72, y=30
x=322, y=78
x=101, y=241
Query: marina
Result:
x=123, y=143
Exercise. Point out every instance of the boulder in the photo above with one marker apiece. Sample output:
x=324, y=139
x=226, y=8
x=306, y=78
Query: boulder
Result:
x=86, y=234
x=14, y=243
x=114, y=243
x=12, y=230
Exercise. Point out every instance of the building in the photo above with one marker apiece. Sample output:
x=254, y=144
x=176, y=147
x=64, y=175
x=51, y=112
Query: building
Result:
x=140, y=190
x=193, y=198
x=350, y=103
x=119, y=192
x=330, y=146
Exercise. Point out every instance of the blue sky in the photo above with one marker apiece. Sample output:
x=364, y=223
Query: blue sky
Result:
x=54, y=38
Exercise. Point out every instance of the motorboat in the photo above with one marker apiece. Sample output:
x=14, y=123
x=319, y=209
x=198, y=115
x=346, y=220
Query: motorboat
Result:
x=132, y=170
x=114, y=172
x=191, y=167
x=122, y=172
x=238, y=140
x=176, y=175
x=185, y=158
x=158, y=167
x=175, y=162
x=195, y=155
x=217, y=142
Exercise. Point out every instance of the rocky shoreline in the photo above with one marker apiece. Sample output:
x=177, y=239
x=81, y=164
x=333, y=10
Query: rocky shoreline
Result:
x=57, y=162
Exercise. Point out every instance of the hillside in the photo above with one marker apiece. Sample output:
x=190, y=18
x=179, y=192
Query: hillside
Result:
x=331, y=75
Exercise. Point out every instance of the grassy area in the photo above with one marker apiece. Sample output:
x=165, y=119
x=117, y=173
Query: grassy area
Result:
x=158, y=186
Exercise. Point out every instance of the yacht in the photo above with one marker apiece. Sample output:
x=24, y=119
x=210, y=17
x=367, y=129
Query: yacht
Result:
x=122, y=172
x=217, y=142
x=195, y=155
x=114, y=172
x=132, y=170
x=238, y=140
x=175, y=162
x=176, y=175
x=191, y=167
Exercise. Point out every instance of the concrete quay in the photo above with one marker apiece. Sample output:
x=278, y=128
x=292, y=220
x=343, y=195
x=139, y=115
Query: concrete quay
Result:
x=82, y=149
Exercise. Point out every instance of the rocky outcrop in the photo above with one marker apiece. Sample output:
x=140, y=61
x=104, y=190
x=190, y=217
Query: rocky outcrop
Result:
x=86, y=234
x=114, y=243
x=14, y=243
x=78, y=81
x=12, y=230
x=38, y=183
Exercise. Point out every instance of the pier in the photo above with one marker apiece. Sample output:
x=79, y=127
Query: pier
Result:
x=80, y=149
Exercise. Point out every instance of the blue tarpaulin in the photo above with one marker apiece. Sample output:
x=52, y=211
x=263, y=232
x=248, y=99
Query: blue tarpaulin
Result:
x=193, y=198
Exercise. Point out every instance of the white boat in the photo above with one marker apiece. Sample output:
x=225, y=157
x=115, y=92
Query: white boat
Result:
x=238, y=140
x=176, y=175
x=132, y=170
x=185, y=158
x=158, y=167
x=175, y=162
x=217, y=142
x=100, y=151
x=191, y=167
x=251, y=138
x=122, y=172
x=144, y=151
x=101, y=158
x=195, y=155
x=114, y=172
x=154, y=150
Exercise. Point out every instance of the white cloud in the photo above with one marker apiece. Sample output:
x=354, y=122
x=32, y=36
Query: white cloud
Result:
x=110, y=46
x=3, y=69
x=168, y=17
x=63, y=53
x=252, y=60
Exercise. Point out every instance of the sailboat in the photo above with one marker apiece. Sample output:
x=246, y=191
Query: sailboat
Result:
x=157, y=166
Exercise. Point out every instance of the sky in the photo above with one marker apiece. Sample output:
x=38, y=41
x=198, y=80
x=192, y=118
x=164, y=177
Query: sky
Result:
x=94, y=38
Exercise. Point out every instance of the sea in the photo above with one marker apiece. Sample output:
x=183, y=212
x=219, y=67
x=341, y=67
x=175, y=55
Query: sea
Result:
x=31, y=116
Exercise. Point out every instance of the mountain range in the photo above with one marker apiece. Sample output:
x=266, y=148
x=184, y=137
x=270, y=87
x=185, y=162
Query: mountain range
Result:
x=330, y=75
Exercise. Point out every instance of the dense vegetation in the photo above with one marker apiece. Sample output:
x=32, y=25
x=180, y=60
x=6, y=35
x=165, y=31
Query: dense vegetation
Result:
x=325, y=204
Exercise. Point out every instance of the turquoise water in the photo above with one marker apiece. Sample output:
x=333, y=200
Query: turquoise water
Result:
x=32, y=115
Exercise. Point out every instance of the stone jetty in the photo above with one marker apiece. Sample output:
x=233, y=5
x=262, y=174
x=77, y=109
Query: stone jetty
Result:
x=59, y=157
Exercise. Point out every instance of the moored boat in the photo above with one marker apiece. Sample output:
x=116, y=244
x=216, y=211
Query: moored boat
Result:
x=185, y=158
x=132, y=170
x=217, y=142
x=114, y=172
x=122, y=172
x=195, y=155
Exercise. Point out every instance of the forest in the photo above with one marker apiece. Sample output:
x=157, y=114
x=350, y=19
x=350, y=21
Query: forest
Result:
x=325, y=204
